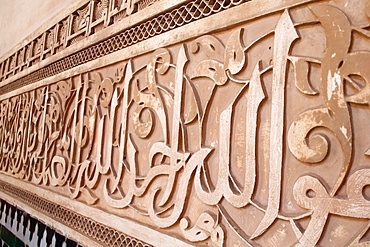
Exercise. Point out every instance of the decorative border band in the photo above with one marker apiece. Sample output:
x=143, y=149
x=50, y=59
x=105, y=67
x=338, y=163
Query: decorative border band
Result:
x=18, y=228
x=95, y=230
x=170, y=20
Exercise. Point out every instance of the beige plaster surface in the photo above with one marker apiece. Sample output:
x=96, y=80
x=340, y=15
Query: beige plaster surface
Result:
x=19, y=18
x=247, y=132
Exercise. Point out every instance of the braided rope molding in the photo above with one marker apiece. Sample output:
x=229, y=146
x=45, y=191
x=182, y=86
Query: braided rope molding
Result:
x=99, y=232
x=170, y=20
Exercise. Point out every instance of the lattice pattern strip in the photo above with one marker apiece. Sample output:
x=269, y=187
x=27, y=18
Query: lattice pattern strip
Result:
x=183, y=15
x=101, y=233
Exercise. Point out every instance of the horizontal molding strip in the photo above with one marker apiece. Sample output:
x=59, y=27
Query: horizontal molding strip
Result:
x=25, y=229
x=184, y=14
x=9, y=74
x=236, y=15
x=106, y=229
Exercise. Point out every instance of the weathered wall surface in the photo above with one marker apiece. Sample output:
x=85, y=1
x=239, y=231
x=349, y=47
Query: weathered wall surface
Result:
x=224, y=123
x=21, y=18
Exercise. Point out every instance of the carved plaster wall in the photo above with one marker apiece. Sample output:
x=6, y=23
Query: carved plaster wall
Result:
x=206, y=122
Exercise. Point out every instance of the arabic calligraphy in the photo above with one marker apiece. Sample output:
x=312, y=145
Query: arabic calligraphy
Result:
x=184, y=123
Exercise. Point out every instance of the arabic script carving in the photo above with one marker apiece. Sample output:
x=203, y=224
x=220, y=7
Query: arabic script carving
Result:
x=211, y=123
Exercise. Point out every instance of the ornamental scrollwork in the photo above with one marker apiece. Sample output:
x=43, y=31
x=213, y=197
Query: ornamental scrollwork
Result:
x=212, y=124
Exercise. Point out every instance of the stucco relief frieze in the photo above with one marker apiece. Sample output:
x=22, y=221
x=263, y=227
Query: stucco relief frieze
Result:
x=255, y=135
x=89, y=20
